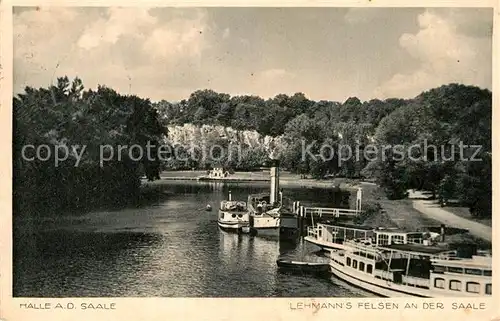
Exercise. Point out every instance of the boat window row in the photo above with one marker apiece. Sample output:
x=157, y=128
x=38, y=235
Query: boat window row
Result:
x=221, y=215
x=386, y=239
x=459, y=270
x=383, y=239
x=338, y=262
x=456, y=285
x=368, y=268
x=415, y=238
x=397, y=239
x=364, y=254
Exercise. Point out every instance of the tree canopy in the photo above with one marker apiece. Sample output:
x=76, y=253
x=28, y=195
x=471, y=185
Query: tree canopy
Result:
x=67, y=115
x=318, y=138
x=440, y=118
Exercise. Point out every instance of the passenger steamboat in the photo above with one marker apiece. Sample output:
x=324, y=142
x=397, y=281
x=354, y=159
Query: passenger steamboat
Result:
x=269, y=213
x=331, y=237
x=399, y=264
x=233, y=215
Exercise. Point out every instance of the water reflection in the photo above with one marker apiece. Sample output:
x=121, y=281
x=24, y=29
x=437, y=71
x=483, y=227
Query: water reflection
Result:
x=170, y=247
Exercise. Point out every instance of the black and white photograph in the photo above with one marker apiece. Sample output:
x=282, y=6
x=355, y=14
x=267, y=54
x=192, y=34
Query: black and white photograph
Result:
x=252, y=152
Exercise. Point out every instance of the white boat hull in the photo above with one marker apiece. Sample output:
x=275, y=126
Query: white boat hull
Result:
x=232, y=220
x=232, y=225
x=327, y=246
x=377, y=286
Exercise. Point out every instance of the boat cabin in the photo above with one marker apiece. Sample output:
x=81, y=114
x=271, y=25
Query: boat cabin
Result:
x=414, y=268
x=233, y=206
x=233, y=215
x=395, y=236
x=338, y=232
x=260, y=203
x=472, y=276
x=218, y=172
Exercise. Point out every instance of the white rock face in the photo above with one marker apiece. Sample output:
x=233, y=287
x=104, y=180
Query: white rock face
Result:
x=192, y=135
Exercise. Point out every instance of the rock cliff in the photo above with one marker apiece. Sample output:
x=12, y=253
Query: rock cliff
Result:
x=193, y=135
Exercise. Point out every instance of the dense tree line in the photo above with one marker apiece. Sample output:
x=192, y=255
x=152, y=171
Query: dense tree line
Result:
x=442, y=117
x=297, y=119
x=67, y=115
x=328, y=131
x=446, y=118
x=269, y=117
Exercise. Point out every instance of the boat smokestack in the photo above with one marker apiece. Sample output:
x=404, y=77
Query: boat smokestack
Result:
x=443, y=232
x=359, y=196
x=275, y=181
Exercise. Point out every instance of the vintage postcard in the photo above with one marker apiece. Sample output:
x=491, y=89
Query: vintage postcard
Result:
x=274, y=161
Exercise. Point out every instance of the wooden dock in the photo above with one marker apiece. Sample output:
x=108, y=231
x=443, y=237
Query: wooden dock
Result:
x=323, y=212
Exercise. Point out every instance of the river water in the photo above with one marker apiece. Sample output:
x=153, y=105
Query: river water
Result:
x=168, y=247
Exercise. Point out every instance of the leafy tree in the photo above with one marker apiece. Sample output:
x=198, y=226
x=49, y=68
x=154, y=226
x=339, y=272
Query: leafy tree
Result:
x=66, y=115
x=442, y=117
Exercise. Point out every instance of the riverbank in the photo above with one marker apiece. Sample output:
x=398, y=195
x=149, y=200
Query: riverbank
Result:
x=448, y=215
x=401, y=214
x=416, y=214
x=287, y=179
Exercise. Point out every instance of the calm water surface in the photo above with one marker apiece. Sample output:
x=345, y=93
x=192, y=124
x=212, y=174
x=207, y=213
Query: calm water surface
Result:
x=170, y=247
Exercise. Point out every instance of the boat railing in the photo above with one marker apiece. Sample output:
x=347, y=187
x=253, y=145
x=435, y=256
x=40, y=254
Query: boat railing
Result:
x=312, y=231
x=384, y=275
x=449, y=255
x=483, y=253
x=415, y=240
x=273, y=212
x=414, y=281
x=324, y=232
x=339, y=229
x=362, y=244
x=328, y=211
x=233, y=205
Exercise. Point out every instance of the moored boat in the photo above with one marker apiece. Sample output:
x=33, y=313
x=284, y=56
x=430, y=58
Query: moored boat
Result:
x=233, y=215
x=270, y=214
x=330, y=237
x=303, y=266
x=216, y=173
x=397, y=264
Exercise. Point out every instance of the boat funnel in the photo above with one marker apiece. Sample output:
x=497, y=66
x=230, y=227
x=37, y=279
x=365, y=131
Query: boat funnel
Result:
x=359, y=196
x=275, y=181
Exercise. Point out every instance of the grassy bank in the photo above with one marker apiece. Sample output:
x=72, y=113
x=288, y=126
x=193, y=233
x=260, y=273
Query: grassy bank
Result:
x=287, y=179
x=465, y=213
x=402, y=214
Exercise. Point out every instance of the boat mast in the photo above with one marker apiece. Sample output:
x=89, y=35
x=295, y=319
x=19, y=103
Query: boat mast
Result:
x=408, y=264
x=390, y=260
x=275, y=181
x=358, y=200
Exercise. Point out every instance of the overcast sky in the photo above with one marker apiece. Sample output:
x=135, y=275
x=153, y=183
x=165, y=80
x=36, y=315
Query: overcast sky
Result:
x=326, y=53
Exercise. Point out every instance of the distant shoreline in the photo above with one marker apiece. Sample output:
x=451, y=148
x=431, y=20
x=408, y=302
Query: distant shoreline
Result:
x=286, y=179
x=396, y=213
